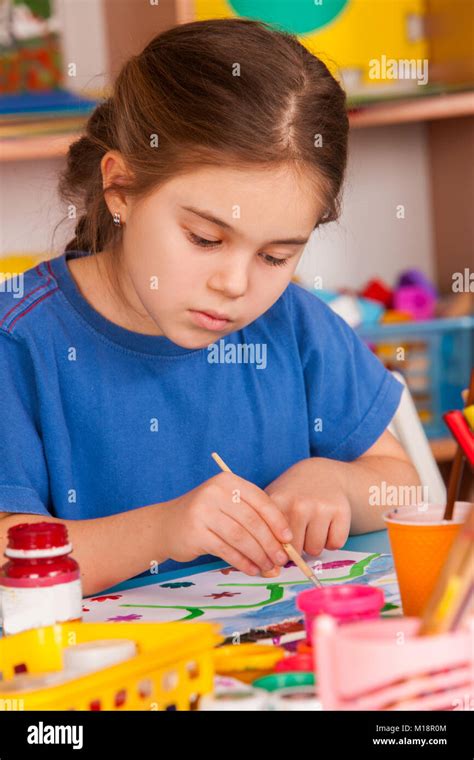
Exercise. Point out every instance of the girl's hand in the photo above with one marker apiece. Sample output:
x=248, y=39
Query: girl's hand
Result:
x=312, y=496
x=229, y=517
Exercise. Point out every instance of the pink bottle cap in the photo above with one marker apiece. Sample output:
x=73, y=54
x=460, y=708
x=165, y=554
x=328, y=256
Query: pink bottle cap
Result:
x=342, y=601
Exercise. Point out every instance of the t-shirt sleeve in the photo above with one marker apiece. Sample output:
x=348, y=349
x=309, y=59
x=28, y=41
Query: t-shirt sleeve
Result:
x=351, y=396
x=23, y=469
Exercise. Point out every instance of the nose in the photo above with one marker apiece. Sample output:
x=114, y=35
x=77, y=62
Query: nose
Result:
x=230, y=276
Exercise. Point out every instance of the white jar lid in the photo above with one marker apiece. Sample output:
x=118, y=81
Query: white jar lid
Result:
x=296, y=698
x=240, y=699
x=90, y=656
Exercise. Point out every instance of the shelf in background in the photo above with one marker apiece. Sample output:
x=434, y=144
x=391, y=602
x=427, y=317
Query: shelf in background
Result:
x=34, y=148
x=430, y=108
x=427, y=108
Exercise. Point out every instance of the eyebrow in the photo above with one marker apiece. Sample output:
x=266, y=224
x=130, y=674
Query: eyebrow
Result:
x=211, y=218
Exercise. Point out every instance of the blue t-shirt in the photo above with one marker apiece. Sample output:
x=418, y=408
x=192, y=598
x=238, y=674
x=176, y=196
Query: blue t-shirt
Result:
x=96, y=419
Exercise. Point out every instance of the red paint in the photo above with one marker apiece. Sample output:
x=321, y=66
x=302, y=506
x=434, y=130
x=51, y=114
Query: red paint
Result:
x=30, y=571
x=297, y=662
x=303, y=647
x=105, y=597
x=223, y=594
x=39, y=582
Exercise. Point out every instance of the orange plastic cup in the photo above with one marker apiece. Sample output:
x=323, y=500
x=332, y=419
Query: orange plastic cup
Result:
x=420, y=541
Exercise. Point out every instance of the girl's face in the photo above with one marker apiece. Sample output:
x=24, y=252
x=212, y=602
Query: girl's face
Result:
x=210, y=251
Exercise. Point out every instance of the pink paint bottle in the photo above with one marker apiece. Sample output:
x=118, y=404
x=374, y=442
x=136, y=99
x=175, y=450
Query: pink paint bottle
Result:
x=345, y=603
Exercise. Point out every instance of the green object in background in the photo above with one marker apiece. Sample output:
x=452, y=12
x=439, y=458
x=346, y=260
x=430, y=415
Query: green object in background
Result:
x=296, y=16
x=40, y=8
x=284, y=680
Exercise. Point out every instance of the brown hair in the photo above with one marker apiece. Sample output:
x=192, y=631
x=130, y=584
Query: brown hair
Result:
x=183, y=102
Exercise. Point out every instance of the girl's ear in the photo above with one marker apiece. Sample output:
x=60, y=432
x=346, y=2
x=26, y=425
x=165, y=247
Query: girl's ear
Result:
x=114, y=172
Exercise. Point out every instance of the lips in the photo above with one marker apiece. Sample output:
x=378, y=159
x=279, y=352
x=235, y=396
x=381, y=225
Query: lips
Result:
x=215, y=315
x=210, y=320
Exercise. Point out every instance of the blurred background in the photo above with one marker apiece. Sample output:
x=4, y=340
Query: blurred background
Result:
x=398, y=266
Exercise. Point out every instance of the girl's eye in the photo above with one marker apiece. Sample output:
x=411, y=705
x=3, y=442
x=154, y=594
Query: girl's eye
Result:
x=204, y=243
x=197, y=240
x=273, y=261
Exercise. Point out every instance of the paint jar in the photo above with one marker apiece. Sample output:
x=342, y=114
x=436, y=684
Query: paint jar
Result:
x=277, y=681
x=290, y=691
x=40, y=584
x=345, y=603
x=247, y=699
x=296, y=662
x=246, y=662
x=304, y=647
x=297, y=699
x=89, y=656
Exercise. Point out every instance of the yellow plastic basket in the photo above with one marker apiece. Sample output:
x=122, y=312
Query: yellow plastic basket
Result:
x=172, y=670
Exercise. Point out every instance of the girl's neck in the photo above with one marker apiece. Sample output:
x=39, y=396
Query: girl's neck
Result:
x=103, y=283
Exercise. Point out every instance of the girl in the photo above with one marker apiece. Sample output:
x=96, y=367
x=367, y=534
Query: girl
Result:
x=169, y=327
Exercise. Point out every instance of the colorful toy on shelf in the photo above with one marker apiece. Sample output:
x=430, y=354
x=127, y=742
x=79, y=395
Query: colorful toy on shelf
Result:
x=415, y=295
x=353, y=309
x=348, y=308
x=392, y=316
x=413, y=298
x=416, y=301
x=377, y=290
x=371, y=311
x=30, y=46
x=413, y=277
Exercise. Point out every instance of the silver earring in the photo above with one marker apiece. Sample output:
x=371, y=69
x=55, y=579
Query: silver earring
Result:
x=117, y=219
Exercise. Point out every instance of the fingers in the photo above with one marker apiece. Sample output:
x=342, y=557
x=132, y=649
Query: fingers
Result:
x=326, y=530
x=316, y=537
x=251, y=520
x=338, y=531
x=260, y=501
x=298, y=527
x=240, y=539
x=229, y=554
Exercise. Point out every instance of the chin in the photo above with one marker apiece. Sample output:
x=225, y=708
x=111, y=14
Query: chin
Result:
x=192, y=342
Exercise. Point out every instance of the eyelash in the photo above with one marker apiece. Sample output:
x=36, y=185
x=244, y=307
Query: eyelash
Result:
x=203, y=243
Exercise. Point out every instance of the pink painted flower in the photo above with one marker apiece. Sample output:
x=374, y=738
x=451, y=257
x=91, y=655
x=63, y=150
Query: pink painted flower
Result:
x=337, y=563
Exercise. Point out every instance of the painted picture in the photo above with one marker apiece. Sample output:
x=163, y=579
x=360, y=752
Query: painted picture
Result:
x=241, y=603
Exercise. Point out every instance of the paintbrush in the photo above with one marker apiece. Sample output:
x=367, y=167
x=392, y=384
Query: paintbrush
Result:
x=290, y=550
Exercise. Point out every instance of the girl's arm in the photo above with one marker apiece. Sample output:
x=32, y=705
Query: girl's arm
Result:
x=324, y=499
x=108, y=549
x=383, y=477
x=226, y=516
